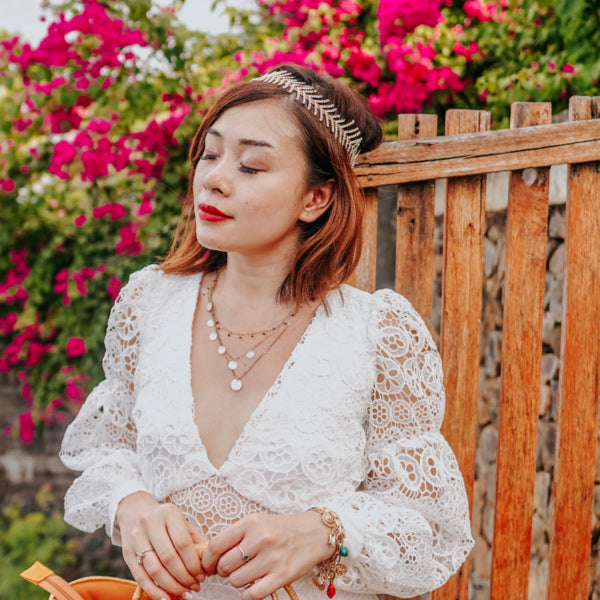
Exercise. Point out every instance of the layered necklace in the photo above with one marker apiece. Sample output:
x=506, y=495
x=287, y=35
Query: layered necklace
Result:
x=258, y=342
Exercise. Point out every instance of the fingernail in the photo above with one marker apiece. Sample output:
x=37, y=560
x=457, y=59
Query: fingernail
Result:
x=201, y=577
x=196, y=587
x=186, y=596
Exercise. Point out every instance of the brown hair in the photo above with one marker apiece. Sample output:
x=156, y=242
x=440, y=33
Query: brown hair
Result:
x=329, y=248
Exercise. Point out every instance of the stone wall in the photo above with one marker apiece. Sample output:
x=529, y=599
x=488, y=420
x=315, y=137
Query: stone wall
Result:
x=24, y=469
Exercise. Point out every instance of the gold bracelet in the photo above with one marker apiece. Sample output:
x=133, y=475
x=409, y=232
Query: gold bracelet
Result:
x=329, y=569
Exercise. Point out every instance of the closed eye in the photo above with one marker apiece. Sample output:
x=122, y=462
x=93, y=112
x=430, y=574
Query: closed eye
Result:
x=249, y=170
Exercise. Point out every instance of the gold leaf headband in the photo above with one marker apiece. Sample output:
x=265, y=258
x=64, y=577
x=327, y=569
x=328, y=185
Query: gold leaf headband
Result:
x=345, y=132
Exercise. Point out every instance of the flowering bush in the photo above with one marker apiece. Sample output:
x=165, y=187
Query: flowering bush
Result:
x=95, y=123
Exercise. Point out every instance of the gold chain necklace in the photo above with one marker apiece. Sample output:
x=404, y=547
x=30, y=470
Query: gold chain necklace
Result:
x=272, y=334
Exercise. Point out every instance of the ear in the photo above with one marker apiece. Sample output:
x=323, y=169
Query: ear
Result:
x=316, y=201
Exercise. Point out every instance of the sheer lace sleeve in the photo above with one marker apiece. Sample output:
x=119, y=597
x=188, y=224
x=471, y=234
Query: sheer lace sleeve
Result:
x=408, y=527
x=101, y=441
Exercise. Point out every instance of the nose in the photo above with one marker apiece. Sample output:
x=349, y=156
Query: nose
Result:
x=215, y=177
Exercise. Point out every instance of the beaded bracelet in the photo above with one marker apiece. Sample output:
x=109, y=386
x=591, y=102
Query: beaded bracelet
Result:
x=330, y=568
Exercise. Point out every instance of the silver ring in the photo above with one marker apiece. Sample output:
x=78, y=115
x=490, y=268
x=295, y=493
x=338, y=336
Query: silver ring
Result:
x=140, y=555
x=245, y=557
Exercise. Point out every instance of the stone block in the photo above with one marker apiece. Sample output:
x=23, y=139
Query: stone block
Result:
x=481, y=558
x=545, y=400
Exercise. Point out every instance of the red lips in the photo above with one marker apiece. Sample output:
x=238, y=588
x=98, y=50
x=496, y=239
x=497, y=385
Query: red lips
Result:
x=206, y=212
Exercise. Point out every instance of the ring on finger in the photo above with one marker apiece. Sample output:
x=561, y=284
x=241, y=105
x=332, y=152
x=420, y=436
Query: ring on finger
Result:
x=140, y=555
x=245, y=557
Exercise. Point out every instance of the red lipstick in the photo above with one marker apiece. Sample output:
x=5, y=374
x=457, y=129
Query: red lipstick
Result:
x=206, y=212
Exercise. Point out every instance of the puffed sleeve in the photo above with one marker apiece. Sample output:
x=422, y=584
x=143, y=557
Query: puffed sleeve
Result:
x=101, y=441
x=408, y=526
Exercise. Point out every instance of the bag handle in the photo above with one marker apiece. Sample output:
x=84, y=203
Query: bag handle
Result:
x=41, y=575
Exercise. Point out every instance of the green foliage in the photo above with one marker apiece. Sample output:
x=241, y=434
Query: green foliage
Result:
x=542, y=51
x=29, y=537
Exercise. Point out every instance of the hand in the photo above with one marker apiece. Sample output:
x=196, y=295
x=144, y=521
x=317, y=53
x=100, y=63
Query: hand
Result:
x=279, y=549
x=171, y=564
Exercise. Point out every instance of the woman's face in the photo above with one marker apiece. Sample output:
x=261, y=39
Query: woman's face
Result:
x=249, y=188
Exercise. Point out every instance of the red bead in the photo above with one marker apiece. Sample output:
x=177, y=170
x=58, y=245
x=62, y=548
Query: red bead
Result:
x=331, y=590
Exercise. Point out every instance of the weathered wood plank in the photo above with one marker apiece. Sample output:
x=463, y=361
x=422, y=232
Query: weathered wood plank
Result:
x=461, y=318
x=579, y=385
x=486, y=152
x=527, y=223
x=363, y=276
x=415, y=224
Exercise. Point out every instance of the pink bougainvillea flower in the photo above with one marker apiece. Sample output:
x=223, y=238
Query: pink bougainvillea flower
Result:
x=26, y=427
x=7, y=185
x=74, y=392
x=79, y=220
x=62, y=155
x=75, y=347
x=114, y=287
x=128, y=242
x=115, y=209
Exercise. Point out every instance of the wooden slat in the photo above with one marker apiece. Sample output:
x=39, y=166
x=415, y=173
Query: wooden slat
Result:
x=579, y=387
x=415, y=224
x=363, y=276
x=527, y=219
x=490, y=152
x=461, y=317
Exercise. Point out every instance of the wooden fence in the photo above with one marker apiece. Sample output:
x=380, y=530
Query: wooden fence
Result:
x=465, y=155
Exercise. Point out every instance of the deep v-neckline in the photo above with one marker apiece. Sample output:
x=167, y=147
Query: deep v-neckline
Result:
x=266, y=399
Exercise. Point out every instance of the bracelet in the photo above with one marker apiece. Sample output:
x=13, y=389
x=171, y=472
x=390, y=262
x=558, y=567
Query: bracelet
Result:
x=332, y=567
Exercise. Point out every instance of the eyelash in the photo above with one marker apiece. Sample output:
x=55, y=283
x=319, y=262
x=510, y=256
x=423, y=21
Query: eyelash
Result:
x=243, y=168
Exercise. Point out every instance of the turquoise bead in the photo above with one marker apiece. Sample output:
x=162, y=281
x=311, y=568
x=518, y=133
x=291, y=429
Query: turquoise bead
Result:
x=343, y=551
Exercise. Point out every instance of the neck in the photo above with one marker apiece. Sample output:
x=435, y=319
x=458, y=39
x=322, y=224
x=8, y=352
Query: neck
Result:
x=258, y=283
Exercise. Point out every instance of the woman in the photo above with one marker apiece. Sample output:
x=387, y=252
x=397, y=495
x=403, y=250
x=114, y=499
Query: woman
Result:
x=255, y=401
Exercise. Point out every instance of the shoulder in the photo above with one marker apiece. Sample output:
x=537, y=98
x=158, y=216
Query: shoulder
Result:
x=149, y=281
x=149, y=290
x=379, y=305
x=387, y=313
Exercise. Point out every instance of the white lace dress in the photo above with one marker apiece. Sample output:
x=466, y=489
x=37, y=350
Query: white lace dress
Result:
x=351, y=423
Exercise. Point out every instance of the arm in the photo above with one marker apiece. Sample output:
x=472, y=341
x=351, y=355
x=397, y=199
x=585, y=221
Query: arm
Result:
x=102, y=443
x=408, y=527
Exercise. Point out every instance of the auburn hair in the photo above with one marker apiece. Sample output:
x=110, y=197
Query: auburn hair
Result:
x=329, y=248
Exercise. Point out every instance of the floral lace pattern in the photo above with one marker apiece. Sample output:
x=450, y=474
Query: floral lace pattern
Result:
x=352, y=423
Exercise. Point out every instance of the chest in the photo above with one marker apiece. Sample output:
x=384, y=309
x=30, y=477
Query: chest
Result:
x=313, y=392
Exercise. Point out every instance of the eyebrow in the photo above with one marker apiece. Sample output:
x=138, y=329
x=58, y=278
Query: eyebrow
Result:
x=244, y=141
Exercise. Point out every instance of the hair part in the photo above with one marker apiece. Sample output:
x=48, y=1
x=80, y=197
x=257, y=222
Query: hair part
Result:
x=330, y=247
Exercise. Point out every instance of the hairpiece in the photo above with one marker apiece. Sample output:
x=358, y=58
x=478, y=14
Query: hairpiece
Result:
x=345, y=132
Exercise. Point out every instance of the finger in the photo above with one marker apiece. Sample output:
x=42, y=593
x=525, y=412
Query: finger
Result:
x=200, y=542
x=233, y=559
x=219, y=545
x=142, y=578
x=174, y=548
x=262, y=588
x=162, y=579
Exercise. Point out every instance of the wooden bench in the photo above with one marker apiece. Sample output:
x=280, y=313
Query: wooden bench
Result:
x=464, y=156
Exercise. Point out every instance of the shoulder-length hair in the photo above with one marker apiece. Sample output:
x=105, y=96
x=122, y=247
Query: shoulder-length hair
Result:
x=329, y=248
